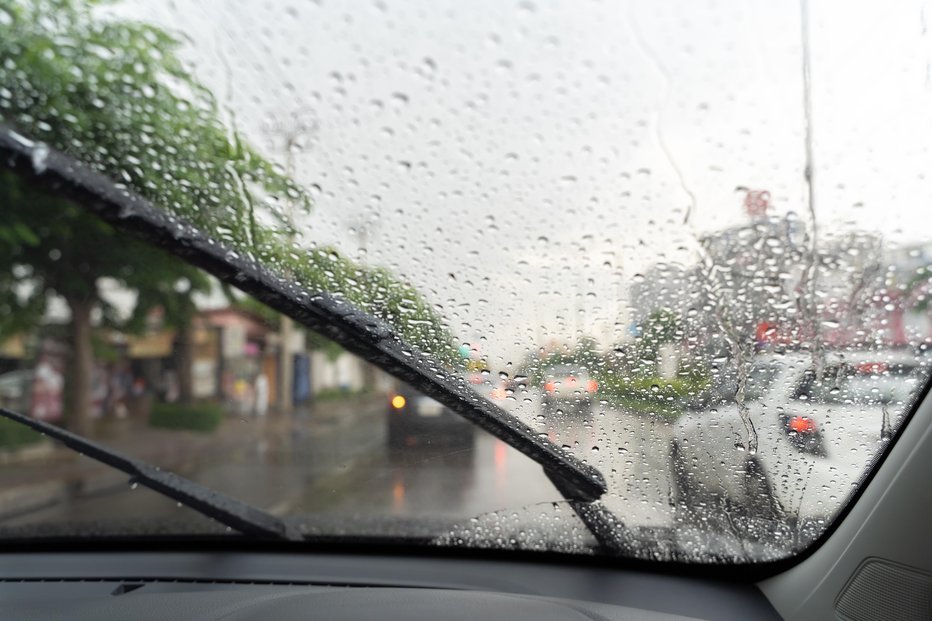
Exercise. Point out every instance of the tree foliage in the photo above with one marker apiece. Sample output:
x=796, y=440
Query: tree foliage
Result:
x=114, y=94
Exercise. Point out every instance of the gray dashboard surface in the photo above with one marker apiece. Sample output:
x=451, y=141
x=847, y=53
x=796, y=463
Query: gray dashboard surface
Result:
x=332, y=603
x=28, y=578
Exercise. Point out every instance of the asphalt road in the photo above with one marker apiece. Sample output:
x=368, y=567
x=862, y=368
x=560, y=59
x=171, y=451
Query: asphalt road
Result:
x=347, y=470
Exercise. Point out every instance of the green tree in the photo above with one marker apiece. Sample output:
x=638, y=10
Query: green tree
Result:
x=114, y=94
x=586, y=354
x=167, y=283
x=663, y=326
x=56, y=248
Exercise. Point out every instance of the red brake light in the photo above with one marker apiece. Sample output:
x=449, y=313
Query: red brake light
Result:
x=549, y=386
x=801, y=424
x=871, y=368
x=571, y=381
x=592, y=386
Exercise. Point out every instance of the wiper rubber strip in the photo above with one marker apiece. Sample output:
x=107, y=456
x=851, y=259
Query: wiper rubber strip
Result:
x=604, y=525
x=355, y=330
x=234, y=513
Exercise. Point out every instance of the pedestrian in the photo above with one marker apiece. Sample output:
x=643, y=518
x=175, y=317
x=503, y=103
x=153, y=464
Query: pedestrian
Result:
x=262, y=394
x=240, y=395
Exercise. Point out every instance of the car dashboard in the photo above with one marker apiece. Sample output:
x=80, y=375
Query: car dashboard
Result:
x=230, y=585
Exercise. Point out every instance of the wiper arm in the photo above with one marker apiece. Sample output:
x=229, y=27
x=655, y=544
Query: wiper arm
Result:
x=353, y=329
x=233, y=513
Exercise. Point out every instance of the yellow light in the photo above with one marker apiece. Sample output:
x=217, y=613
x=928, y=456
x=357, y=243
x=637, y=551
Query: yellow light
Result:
x=398, y=402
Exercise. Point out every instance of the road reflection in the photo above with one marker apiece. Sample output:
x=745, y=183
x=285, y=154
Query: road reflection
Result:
x=302, y=469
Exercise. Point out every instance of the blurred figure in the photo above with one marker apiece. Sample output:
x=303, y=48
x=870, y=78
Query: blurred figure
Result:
x=171, y=386
x=241, y=389
x=120, y=387
x=47, y=389
x=261, y=389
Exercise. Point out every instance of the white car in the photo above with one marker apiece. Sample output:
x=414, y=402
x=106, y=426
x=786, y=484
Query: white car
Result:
x=816, y=436
x=568, y=387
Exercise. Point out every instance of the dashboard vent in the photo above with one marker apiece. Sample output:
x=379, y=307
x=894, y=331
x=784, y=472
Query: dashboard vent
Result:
x=882, y=590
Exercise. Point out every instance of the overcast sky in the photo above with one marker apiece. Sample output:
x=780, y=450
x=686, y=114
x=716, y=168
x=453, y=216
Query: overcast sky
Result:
x=521, y=162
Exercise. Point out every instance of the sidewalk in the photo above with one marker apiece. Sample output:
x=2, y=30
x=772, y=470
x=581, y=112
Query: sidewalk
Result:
x=61, y=473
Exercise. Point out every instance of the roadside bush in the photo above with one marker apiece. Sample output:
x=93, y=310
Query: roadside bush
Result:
x=336, y=393
x=194, y=417
x=654, y=395
x=13, y=435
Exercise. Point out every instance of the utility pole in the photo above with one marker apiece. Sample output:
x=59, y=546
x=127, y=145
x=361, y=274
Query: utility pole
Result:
x=294, y=128
x=811, y=273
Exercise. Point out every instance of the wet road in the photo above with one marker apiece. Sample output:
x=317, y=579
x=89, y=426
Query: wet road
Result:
x=345, y=470
x=631, y=450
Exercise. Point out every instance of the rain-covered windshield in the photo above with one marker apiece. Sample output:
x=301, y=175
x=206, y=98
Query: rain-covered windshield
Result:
x=684, y=243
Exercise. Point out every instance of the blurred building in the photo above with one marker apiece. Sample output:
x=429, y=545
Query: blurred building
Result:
x=765, y=282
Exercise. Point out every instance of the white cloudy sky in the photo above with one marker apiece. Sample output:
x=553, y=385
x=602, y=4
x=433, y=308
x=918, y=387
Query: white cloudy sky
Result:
x=521, y=161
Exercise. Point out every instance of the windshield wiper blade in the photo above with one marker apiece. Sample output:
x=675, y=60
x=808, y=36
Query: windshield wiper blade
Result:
x=234, y=513
x=355, y=330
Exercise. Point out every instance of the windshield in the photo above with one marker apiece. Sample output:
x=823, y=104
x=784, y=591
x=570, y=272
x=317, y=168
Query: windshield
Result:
x=683, y=244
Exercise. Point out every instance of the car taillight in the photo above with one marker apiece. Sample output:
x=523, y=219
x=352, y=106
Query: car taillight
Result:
x=592, y=386
x=872, y=368
x=801, y=424
x=550, y=387
x=398, y=402
x=570, y=381
x=803, y=434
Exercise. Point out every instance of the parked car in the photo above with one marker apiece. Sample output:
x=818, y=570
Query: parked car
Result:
x=817, y=429
x=566, y=388
x=414, y=420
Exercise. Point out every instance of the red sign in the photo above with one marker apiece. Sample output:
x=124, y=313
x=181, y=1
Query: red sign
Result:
x=756, y=203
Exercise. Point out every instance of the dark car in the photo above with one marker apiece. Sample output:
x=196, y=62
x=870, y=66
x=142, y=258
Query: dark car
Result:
x=417, y=420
